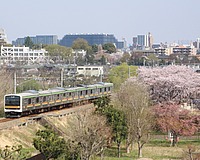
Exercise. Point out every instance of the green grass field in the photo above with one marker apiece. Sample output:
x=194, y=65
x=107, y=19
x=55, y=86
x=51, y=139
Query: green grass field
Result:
x=156, y=149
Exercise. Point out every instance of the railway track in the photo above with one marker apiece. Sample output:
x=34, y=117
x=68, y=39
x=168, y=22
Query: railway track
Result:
x=2, y=120
x=11, y=122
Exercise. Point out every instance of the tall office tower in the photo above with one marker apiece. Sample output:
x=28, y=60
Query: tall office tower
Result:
x=142, y=41
x=150, y=37
x=134, y=42
x=3, y=38
x=198, y=45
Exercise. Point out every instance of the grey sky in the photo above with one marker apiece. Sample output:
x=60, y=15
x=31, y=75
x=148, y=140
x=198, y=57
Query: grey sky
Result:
x=167, y=20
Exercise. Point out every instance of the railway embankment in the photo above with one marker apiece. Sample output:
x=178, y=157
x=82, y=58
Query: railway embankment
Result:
x=21, y=131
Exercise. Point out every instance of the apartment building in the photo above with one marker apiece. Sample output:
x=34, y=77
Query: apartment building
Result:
x=90, y=70
x=22, y=55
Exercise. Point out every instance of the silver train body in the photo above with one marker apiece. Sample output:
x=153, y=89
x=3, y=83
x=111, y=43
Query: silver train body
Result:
x=32, y=102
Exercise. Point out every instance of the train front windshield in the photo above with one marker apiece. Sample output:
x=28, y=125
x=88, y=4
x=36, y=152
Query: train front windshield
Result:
x=12, y=101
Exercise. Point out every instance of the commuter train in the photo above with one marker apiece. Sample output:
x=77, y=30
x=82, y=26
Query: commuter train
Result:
x=33, y=102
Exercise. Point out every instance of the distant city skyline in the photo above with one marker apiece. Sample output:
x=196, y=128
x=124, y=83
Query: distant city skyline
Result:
x=168, y=21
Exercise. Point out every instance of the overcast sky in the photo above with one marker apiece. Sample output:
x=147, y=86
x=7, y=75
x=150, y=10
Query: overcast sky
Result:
x=167, y=20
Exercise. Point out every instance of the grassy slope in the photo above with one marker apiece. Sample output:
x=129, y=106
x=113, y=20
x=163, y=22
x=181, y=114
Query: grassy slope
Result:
x=157, y=149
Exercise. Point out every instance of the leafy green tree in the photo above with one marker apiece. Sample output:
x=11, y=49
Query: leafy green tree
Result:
x=95, y=48
x=109, y=47
x=116, y=119
x=59, y=53
x=49, y=143
x=137, y=58
x=89, y=56
x=119, y=74
x=102, y=103
x=152, y=59
x=125, y=58
x=83, y=44
x=14, y=153
x=80, y=60
x=28, y=42
x=28, y=85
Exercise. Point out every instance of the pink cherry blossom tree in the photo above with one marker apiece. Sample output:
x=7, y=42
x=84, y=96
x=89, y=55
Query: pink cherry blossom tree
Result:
x=171, y=118
x=177, y=84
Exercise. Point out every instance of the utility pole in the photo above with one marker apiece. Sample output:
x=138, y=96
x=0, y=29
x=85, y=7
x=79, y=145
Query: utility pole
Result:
x=15, y=81
x=100, y=76
x=61, y=77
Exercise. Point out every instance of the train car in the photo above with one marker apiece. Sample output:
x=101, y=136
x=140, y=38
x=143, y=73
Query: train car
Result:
x=31, y=101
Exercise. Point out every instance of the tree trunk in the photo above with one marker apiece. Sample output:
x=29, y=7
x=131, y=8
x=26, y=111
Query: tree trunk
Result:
x=128, y=147
x=102, y=153
x=139, y=152
x=139, y=149
x=102, y=156
x=118, y=145
x=174, y=140
x=129, y=143
x=132, y=145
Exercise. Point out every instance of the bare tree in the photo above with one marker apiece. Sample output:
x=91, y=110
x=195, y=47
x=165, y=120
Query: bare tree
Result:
x=133, y=98
x=90, y=132
x=6, y=83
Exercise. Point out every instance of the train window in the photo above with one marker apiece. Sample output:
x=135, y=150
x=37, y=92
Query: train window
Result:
x=33, y=101
x=108, y=88
x=37, y=99
x=25, y=101
x=70, y=94
x=81, y=93
x=100, y=89
x=58, y=96
x=29, y=101
x=44, y=99
x=86, y=92
x=64, y=94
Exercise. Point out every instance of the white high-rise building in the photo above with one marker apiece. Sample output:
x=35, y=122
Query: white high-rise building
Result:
x=3, y=38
